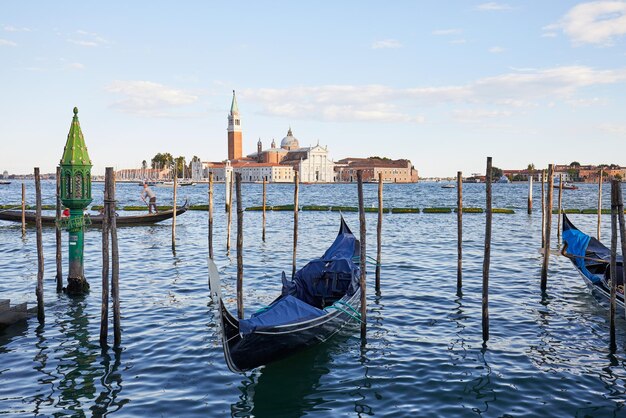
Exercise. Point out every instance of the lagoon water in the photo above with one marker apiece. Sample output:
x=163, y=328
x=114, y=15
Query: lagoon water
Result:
x=547, y=356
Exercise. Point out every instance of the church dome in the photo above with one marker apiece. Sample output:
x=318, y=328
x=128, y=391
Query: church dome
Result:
x=289, y=142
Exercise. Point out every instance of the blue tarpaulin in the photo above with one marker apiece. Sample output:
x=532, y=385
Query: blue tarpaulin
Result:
x=285, y=310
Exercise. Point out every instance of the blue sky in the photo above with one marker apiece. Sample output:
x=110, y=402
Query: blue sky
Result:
x=444, y=84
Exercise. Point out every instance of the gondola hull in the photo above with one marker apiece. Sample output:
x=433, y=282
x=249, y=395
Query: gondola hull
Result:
x=591, y=260
x=96, y=220
x=259, y=348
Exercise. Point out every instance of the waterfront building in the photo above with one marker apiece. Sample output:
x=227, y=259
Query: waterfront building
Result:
x=393, y=171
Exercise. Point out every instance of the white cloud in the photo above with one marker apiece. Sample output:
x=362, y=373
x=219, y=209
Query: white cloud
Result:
x=87, y=39
x=150, y=99
x=613, y=129
x=516, y=90
x=496, y=50
x=4, y=42
x=387, y=44
x=597, y=22
x=445, y=32
x=10, y=28
x=493, y=7
x=76, y=66
x=479, y=115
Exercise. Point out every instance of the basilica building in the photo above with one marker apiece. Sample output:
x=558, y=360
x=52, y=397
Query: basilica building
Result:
x=275, y=164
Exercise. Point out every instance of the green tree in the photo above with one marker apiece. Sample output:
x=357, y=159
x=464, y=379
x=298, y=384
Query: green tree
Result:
x=496, y=173
x=162, y=160
x=180, y=166
x=531, y=167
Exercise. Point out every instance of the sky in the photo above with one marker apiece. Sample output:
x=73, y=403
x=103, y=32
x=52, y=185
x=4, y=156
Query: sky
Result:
x=442, y=83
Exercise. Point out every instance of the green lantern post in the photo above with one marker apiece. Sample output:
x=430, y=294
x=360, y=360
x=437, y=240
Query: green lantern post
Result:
x=76, y=195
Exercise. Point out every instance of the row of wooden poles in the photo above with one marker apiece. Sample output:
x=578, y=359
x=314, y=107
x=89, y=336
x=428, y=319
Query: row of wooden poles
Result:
x=109, y=229
x=240, y=211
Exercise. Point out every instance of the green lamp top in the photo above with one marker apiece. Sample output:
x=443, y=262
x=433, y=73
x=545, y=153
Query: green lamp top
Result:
x=75, y=152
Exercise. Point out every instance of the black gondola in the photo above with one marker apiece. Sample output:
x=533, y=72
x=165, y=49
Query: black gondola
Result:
x=592, y=260
x=321, y=299
x=96, y=220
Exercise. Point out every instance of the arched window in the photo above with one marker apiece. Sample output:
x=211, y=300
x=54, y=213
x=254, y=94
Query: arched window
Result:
x=78, y=186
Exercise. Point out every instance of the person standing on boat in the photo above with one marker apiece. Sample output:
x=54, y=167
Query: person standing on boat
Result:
x=147, y=191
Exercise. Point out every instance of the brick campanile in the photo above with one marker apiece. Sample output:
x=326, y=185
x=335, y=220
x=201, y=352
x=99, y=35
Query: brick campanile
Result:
x=234, y=131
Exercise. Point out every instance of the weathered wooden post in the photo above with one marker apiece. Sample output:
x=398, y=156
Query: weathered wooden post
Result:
x=600, y=203
x=23, y=210
x=76, y=195
x=363, y=260
x=543, y=209
x=459, y=231
x=560, y=209
x=239, y=248
x=104, y=308
x=296, y=185
x=211, y=215
x=613, y=266
x=229, y=214
x=264, y=185
x=487, y=257
x=530, y=194
x=379, y=230
x=548, y=216
x=39, y=291
x=57, y=230
x=115, y=267
x=174, y=207
x=622, y=232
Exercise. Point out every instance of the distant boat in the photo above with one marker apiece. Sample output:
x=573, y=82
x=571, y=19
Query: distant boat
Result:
x=182, y=183
x=5, y=182
x=504, y=179
x=448, y=186
x=566, y=186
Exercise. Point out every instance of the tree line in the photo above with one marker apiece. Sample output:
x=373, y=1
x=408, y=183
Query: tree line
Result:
x=165, y=160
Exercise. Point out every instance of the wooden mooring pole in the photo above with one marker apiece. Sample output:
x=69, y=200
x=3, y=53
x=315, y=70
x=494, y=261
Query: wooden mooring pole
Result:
x=23, y=210
x=39, y=291
x=57, y=230
x=229, y=205
x=599, y=203
x=614, y=207
x=379, y=230
x=239, y=247
x=264, y=187
x=560, y=209
x=104, y=309
x=211, y=216
x=296, y=184
x=530, y=194
x=622, y=232
x=543, y=209
x=487, y=257
x=363, y=260
x=115, y=264
x=459, y=231
x=548, y=229
x=174, y=208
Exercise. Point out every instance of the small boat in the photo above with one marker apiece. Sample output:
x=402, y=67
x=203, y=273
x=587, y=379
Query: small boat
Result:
x=566, y=186
x=448, y=186
x=179, y=184
x=592, y=260
x=4, y=182
x=503, y=179
x=96, y=220
x=321, y=298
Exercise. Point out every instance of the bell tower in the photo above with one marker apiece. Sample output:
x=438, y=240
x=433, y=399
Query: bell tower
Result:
x=234, y=131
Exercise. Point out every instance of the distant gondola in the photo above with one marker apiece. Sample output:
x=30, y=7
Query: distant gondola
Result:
x=322, y=297
x=96, y=220
x=592, y=259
